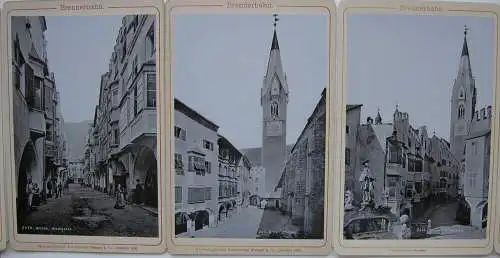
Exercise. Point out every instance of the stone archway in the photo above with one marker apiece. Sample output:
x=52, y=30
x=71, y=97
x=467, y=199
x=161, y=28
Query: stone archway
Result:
x=202, y=220
x=182, y=223
x=27, y=170
x=146, y=170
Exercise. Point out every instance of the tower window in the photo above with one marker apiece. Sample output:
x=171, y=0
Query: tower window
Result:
x=461, y=111
x=274, y=109
x=461, y=95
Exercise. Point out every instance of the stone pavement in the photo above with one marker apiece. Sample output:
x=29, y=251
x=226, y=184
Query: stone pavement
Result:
x=274, y=221
x=244, y=224
x=85, y=211
x=457, y=232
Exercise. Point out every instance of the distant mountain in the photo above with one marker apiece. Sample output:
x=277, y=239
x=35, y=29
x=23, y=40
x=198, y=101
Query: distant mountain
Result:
x=76, y=134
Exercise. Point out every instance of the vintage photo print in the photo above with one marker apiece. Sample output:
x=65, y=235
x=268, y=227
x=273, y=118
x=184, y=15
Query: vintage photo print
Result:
x=83, y=152
x=250, y=117
x=418, y=83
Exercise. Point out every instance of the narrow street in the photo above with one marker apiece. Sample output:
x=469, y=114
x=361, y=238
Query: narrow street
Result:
x=85, y=211
x=244, y=224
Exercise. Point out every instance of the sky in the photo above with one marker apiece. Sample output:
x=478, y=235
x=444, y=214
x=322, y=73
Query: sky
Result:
x=219, y=62
x=412, y=61
x=79, y=49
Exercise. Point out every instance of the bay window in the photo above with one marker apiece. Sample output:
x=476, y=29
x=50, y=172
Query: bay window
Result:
x=150, y=89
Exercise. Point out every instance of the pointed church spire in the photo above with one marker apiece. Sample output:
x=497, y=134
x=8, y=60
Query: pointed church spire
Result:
x=465, y=48
x=275, y=44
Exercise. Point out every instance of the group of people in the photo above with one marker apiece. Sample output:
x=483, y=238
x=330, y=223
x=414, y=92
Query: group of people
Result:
x=34, y=193
x=120, y=193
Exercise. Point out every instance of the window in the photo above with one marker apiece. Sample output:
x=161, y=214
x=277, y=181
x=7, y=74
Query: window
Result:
x=208, y=193
x=135, y=101
x=392, y=187
x=197, y=164
x=414, y=165
x=179, y=133
x=274, y=109
x=150, y=45
x=179, y=165
x=461, y=95
x=208, y=145
x=196, y=195
x=347, y=156
x=178, y=194
x=116, y=134
x=347, y=129
x=418, y=187
x=150, y=90
x=395, y=155
x=461, y=111
x=208, y=166
x=115, y=100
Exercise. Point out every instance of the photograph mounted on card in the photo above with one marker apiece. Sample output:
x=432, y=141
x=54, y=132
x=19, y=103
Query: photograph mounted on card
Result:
x=82, y=125
x=3, y=212
x=418, y=131
x=249, y=127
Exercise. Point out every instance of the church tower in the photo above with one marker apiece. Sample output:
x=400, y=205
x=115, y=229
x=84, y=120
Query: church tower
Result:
x=463, y=103
x=274, y=100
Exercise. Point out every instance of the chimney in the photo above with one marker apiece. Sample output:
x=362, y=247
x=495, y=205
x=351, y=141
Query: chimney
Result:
x=483, y=113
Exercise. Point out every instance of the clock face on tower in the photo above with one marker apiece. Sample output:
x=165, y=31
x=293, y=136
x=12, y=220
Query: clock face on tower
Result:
x=273, y=128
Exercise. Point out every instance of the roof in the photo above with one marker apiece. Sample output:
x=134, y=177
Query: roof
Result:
x=465, y=48
x=478, y=134
x=191, y=113
x=354, y=106
x=254, y=155
x=382, y=132
x=275, y=44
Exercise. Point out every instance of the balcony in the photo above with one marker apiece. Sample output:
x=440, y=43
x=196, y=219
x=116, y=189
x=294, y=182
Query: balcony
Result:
x=140, y=128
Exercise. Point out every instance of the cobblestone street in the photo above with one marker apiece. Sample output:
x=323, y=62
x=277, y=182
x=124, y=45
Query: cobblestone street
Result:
x=274, y=221
x=85, y=211
x=244, y=224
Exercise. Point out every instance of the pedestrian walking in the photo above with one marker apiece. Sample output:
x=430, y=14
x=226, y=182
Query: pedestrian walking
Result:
x=120, y=200
x=36, y=195
x=49, y=189
x=59, y=189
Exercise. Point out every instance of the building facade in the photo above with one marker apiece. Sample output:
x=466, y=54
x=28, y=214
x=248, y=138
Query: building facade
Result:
x=40, y=148
x=477, y=167
x=303, y=179
x=196, y=170
x=124, y=127
x=229, y=197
